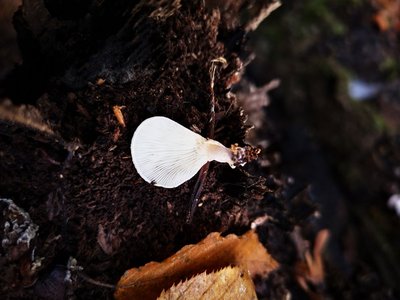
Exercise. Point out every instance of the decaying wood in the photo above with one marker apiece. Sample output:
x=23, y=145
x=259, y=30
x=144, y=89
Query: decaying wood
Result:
x=83, y=60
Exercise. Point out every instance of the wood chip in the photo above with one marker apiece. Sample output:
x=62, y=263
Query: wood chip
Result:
x=118, y=114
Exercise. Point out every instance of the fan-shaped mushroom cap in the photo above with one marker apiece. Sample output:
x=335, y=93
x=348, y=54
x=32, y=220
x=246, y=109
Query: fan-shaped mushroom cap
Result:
x=167, y=154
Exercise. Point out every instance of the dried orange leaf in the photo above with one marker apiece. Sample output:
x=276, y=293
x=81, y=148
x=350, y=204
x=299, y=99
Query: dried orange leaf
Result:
x=228, y=283
x=387, y=16
x=211, y=254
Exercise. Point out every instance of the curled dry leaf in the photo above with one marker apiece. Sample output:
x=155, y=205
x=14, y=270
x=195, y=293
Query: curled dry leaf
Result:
x=212, y=253
x=387, y=16
x=311, y=270
x=228, y=283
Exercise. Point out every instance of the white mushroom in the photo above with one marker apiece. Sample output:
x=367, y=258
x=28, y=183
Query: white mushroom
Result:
x=167, y=154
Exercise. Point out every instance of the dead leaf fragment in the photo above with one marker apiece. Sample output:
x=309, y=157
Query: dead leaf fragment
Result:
x=118, y=114
x=211, y=254
x=116, y=134
x=311, y=269
x=107, y=240
x=100, y=81
x=387, y=16
x=228, y=283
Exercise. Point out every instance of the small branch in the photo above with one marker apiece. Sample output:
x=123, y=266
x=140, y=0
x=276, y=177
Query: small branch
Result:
x=264, y=13
x=198, y=188
x=95, y=282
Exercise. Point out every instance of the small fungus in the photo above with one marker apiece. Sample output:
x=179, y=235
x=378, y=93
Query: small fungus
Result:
x=167, y=154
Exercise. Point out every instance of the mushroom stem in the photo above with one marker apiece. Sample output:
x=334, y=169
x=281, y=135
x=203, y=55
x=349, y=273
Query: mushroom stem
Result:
x=234, y=156
x=218, y=152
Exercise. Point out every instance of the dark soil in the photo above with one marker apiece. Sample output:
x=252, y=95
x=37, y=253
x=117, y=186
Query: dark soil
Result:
x=327, y=161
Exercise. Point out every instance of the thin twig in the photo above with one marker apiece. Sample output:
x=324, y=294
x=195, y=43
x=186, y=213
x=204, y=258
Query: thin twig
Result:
x=197, y=191
x=198, y=188
x=95, y=282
